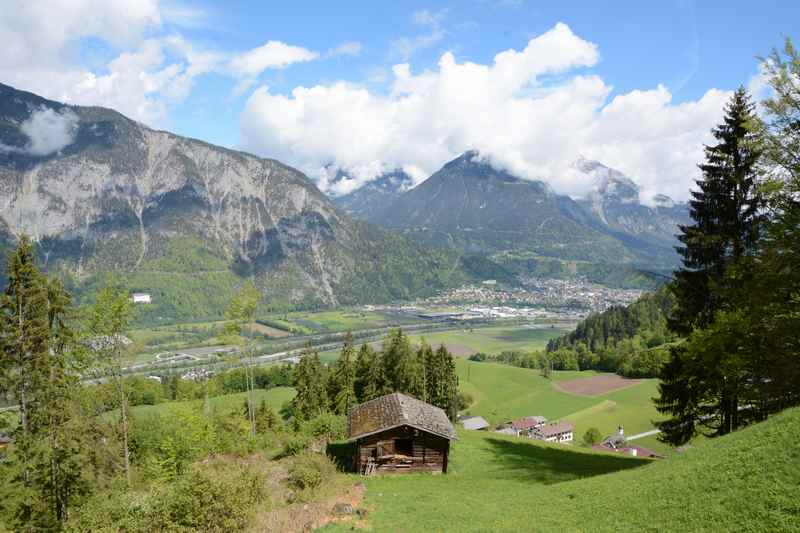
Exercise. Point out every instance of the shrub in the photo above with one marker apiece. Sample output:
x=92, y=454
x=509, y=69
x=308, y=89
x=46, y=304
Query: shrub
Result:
x=296, y=445
x=216, y=497
x=309, y=471
x=326, y=426
x=592, y=437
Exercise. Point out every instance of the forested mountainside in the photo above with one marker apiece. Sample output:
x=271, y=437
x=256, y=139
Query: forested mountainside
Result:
x=625, y=339
x=186, y=220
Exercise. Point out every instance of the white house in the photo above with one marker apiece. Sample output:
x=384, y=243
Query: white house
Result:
x=140, y=298
x=554, y=432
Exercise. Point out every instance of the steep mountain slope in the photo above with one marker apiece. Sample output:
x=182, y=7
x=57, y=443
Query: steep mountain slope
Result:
x=471, y=205
x=184, y=219
x=372, y=199
x=615, y=204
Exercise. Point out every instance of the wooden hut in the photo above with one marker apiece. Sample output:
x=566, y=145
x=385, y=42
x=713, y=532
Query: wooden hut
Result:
x=397, y=433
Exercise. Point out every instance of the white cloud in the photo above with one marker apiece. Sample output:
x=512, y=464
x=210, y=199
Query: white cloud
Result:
x=405, y=47
x=511, y=110
x=143, y=65
x=48, y=131
x=350, y=48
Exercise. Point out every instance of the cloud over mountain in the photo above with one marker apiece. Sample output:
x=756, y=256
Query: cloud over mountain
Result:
x=531, y=111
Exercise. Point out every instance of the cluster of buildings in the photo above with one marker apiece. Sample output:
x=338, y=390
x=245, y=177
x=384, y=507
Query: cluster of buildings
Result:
x=532, y=427
x=619, y=444
x=536, y=298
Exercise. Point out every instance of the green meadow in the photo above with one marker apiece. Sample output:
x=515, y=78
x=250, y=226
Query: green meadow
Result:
x=502, y=392
x=274, y=397
x=498, y=483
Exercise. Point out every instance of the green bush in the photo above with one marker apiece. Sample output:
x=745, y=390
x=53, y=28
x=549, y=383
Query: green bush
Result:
x=295, y=445
x=326, y=426
x=216, y=497
x=309, y=470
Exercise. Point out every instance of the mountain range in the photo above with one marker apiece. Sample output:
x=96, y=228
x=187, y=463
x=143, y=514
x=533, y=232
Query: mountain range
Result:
x=472, y=206
x=186, y=220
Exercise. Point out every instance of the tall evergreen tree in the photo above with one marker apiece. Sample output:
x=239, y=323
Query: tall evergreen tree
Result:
x=310, y=382
x=726, y=210
x=697, y=390
x=342, y=394
x=363, y=363
x=37, y=369
x=376, y=383
x=398, y=360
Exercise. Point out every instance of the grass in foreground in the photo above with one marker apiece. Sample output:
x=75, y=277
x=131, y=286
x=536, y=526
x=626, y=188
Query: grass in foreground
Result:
x=747, y=481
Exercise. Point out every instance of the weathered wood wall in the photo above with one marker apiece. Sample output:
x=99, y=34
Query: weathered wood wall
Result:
x=428, y=454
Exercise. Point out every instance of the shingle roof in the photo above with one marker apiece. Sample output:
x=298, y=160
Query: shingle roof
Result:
x=528, y=422
x=475, y=422
x=550, y=430
x=395, y=410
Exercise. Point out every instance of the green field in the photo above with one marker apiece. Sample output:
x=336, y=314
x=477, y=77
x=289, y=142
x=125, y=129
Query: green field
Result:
x=503, y=392
x=746, y=481
x=341, y=320
x=493, y=340
x=631, y=408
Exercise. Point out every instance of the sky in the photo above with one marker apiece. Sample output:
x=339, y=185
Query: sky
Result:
x=367, y=87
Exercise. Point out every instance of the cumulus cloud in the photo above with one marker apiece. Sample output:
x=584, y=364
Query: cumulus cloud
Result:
x=144, y=65
x=48, y=132
x=531, y=111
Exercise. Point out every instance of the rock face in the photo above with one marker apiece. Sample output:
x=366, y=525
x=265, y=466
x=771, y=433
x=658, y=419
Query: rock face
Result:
x=372, y=199
x=615, y=202
x=101, y=192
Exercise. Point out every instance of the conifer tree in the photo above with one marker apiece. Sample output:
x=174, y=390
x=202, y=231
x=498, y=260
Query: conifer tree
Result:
x=376, y=384
x=362, y=366
x=38, y=369
x=699, y=387
x=398, y=360
x=343, y=395
x=310, y=382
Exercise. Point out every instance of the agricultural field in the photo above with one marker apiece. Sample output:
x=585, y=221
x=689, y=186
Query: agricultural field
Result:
x=493, y=340
x=502, y=393
x=341, y=320
x=498, y=483
x=630, y=407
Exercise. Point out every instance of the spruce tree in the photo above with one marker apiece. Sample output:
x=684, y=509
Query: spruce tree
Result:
x=310, y=382
x=398, y=360
x=377, y=384
x=363, y=362
x=38, y=369
x=343, y=395
x=695, y=388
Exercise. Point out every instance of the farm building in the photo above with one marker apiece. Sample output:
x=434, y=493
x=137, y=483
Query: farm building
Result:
x=475, y=422
x=5, y=440
x=527, y=424
x=397, y=433
x=618, y=444
x=554, y=432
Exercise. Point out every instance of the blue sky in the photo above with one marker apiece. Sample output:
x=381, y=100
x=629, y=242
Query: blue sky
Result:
x=636, y=85
x=687, y=46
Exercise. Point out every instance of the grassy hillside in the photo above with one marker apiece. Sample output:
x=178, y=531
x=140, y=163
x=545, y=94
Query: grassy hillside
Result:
x=274, y=397
x=743, y=482
x=503, y=392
